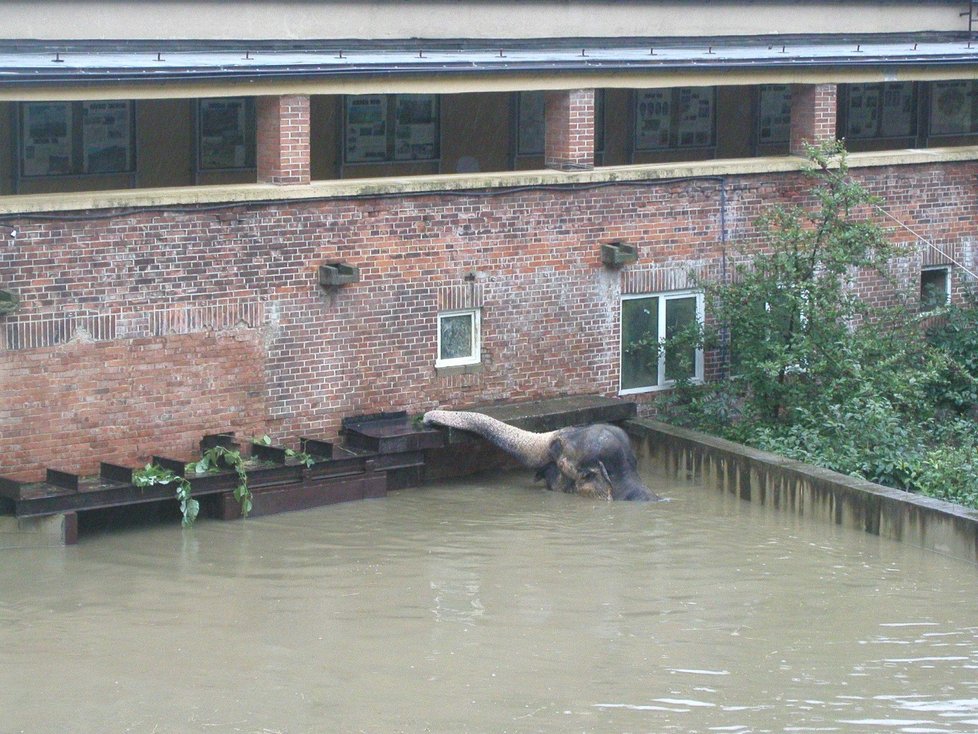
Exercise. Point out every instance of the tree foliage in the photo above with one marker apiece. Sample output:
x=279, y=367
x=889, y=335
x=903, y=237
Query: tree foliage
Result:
x=819, y=375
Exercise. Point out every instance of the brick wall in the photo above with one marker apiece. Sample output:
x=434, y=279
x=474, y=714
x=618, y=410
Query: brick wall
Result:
x=569, y=133
x=142, y=330
x=813, y=115
x=282, y=139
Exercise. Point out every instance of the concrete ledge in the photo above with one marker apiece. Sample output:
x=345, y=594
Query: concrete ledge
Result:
x=195, y=196
x=38, y=532
x=803, y=489
x=549, y=415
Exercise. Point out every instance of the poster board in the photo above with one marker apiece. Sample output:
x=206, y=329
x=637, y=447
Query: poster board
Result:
x=365, y=135
x=415, y=127
x=952, y=107
x=653, y=119
x=106, y=137
x=899, y=108
x=862, y=111
x=222, y=133
x=46, y=134
x=694, y=118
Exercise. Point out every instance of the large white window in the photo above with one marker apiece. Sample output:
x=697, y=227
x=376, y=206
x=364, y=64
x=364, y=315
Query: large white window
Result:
x=459, y=340
x=646, y=322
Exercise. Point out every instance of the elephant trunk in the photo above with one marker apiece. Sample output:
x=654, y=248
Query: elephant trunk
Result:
x=532, y=449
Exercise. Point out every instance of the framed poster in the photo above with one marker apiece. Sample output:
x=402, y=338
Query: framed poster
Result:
x=862, y=111
x=106, y=137
x=530, y=123
x=415, y=127
x=899, y=110
x=951, y=108
x=774, y=114
x=46, y=139
x=653, y=119
x=223, y=139
x=365, y=138
x=694, y=118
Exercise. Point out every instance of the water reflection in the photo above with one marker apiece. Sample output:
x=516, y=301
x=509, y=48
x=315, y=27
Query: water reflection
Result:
x=490, y=606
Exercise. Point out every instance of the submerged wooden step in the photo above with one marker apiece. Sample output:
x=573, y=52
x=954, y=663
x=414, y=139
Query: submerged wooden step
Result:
x=389, y=433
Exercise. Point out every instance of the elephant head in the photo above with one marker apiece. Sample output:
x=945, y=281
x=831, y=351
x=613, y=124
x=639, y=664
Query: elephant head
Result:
x=594, y=461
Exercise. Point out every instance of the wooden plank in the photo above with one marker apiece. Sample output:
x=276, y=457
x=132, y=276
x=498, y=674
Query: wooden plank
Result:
x=316, y=448
x=115, y=473
x=316, y=493
x=63, y=479
x=264, y=452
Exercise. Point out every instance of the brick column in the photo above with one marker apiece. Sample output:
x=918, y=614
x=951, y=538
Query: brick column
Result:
x=813, y=111
x=569, y=135
x=282, y=132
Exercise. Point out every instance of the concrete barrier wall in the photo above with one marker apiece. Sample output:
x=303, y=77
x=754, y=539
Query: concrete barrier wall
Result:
x=806, y=490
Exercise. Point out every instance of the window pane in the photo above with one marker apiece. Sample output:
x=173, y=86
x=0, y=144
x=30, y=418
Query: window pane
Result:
x=933, y=289
x=456, y=336
x=639, y=342
x=531, y=123
x=680, y=313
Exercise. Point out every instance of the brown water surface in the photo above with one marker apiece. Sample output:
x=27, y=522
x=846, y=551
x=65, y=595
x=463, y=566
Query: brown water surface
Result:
x=490, y=606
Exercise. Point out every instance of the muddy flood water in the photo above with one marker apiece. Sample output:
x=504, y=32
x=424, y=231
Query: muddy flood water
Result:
x=490, y=606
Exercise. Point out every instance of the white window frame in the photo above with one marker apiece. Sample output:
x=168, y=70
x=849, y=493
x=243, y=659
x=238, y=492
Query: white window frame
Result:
x=663, y=383
x=476, y=356
x=947, y=283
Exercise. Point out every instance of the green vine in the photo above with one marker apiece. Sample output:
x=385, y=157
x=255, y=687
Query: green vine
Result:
x=216, y=458
x=306, y=459
x=213, y=459
x=153, y=474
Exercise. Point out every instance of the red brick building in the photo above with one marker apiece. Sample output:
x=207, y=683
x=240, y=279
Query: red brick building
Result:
x=244, y=220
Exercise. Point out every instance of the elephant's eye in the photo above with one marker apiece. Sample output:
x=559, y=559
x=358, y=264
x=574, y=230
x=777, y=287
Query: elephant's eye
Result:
x=588, y=472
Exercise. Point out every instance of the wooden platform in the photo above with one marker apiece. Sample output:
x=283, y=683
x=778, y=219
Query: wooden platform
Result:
x=380, y=452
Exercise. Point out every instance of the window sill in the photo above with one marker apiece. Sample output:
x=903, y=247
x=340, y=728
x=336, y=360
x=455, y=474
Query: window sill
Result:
x=460, y=369
x=440, y=183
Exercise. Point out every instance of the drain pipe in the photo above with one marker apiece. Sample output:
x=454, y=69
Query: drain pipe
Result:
x=724, y=331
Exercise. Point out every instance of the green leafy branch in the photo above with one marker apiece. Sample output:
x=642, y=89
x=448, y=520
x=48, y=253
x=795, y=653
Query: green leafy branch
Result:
x=153, y=474
x=217, y=458
x=214, y=459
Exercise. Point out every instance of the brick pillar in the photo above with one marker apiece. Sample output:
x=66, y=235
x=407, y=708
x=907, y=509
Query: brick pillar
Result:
x=569, y=135
x=283, y=139
x=813, y=111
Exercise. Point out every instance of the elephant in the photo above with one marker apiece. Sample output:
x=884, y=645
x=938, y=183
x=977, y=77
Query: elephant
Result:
x=594, y=460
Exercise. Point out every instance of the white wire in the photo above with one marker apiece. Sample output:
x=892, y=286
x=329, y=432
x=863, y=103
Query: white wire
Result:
x=920, y=237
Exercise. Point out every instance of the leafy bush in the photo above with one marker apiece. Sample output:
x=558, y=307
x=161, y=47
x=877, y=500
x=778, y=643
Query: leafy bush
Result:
x=819, y=376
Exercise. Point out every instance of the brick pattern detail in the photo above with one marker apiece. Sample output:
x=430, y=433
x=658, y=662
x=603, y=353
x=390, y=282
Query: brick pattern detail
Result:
x=303, y=358
x=283, y=139
x=569, y=132
x=813, y=115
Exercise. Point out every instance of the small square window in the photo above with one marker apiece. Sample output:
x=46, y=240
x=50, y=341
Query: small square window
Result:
x=935, y=288
x=458, y=338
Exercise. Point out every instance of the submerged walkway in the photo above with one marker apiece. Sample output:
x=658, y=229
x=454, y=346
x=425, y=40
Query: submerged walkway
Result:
x=378, y=453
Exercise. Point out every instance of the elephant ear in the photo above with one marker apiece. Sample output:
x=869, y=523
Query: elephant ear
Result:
x=556, y=448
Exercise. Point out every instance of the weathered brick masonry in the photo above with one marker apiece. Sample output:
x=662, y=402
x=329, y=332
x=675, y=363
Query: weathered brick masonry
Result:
x=142, y=330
